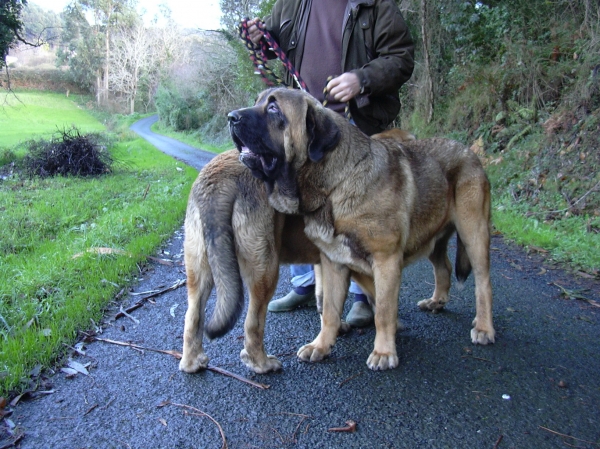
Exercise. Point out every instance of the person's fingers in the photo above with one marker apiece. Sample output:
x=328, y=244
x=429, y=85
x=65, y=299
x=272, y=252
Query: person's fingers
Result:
x=344, y=87
x=254, y=33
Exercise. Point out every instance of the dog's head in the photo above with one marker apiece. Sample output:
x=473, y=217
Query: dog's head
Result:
x=282, y=132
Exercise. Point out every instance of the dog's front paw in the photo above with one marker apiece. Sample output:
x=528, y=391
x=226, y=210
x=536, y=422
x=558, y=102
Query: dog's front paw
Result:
x=432, y=305
x=313, y=353
x=193, y=363
x=481, y=335
x=266, y=364
x=379, y=362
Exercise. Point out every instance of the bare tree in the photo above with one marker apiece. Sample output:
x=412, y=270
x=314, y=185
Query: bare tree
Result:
x=107, y=15
x=142, y=57
x=130, y=58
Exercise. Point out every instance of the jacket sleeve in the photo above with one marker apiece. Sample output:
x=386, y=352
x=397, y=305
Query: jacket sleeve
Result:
x=393, y=52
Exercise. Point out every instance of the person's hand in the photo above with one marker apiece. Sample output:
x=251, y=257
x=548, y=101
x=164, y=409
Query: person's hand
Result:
x=254, y=33
x=345, y=87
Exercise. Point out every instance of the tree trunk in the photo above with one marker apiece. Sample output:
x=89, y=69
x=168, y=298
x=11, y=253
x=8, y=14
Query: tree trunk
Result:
x=106, y=65
x=427, y=77
x=98, y=88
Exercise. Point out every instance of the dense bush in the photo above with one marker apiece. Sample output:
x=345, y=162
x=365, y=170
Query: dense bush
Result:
x=68, y=153
x=177, y=109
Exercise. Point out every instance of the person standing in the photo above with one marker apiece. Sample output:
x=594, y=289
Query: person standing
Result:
x=365, y=45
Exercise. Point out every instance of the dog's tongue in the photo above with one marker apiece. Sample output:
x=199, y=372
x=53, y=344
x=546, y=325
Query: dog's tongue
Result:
x=245, y=150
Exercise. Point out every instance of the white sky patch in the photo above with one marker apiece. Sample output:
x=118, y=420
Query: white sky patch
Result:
x=204, y=14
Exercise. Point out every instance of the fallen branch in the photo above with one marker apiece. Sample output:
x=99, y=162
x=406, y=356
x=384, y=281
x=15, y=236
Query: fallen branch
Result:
x=574, y=294
x=304, y=417
x=349, y=379
x=218, y=370
x=91, y=409
x=476, y=358
x=124, y=313
x=177, y=355
x=14, y=442
x=498, y=441
x=142, y=301
x=569, y=436
x=351, y=427
x=198, y=412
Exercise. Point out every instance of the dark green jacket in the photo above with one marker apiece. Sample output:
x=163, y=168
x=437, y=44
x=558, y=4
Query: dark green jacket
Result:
x=376, y=46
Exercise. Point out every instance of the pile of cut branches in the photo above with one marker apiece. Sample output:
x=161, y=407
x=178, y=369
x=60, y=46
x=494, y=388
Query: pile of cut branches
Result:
x=69, y=152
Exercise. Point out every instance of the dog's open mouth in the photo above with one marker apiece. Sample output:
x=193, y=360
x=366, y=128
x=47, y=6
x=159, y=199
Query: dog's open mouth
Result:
x=256, y=162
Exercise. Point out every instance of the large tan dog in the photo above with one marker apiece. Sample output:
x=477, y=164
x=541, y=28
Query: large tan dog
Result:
x=372, y=206
x=231, y=233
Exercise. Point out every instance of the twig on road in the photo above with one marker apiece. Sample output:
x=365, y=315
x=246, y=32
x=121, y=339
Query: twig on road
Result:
x=350, y=427
x=350, y=378
x=498, y=441
x=218, y=370
x=197, y=412
x=124, y=313
x=476, y=358
x=569, y=436
x=14, y=442
x=177, y=355
x=142, y=301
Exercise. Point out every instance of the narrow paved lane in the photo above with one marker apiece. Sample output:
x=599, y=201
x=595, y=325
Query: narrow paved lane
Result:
x=540, y=380
x=192, y=156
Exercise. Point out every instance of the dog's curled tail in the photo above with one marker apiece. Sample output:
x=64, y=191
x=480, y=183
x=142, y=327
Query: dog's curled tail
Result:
x=220, y=247
x=462, y=264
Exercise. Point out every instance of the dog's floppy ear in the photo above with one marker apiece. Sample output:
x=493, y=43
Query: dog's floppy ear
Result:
x=323, y=133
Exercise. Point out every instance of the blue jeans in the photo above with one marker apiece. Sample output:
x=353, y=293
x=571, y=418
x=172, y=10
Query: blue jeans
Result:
x=304, y=276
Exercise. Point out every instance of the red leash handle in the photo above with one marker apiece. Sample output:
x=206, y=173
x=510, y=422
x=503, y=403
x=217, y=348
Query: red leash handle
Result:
x=259, y=56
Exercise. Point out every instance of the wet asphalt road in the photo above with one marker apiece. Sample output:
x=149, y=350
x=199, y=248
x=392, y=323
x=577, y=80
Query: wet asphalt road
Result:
x=541, y=378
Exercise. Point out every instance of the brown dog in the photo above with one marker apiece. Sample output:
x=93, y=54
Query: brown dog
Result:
x=231, y=233
x=372, y=206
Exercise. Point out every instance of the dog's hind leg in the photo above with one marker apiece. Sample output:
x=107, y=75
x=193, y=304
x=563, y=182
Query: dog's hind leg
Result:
x=261, y=286
x=473, y=227
x=442, y=271
x=199, y=286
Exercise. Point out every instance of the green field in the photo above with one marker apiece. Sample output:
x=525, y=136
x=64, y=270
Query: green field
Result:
x=31, y=115
x=52, y=279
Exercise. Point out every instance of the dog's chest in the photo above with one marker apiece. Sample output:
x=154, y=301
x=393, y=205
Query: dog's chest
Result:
x=340, y=248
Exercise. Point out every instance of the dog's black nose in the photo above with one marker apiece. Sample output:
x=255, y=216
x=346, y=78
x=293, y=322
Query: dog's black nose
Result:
x=234, y=117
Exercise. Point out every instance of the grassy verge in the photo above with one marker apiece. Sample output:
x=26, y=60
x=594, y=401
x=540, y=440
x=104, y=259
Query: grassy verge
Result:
x=50, y=284
x=567, y=241
x=52, y=281
x=547, y=201
x=28, y=115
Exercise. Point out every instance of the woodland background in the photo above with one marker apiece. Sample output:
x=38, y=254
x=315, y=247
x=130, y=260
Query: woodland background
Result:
x=519, y=82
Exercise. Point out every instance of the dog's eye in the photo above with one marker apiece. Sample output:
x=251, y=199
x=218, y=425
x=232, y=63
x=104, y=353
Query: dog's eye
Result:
x=272, y=108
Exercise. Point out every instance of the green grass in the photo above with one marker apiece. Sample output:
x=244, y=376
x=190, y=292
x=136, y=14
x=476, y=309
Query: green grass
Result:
x=567, y=241
x=47, y=293
x=26, y=115
x=51, y=285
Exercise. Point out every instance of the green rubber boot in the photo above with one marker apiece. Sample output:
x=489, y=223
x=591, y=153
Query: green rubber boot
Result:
x=360, y=315
x=292, y=301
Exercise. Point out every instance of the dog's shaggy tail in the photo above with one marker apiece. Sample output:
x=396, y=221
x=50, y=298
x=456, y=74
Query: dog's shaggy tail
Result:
x=462, y=265
x=220, y=247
